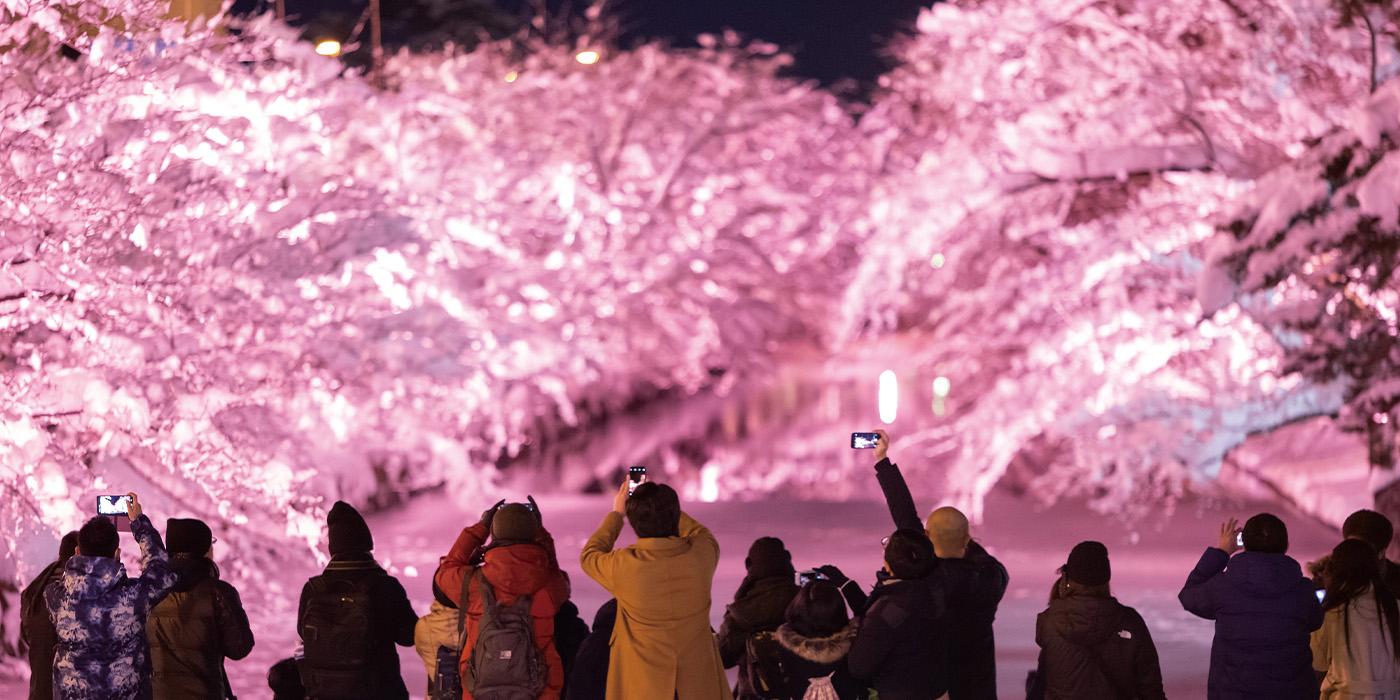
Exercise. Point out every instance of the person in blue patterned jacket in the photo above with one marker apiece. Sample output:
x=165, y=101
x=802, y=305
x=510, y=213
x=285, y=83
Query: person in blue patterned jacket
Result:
x=99, y=614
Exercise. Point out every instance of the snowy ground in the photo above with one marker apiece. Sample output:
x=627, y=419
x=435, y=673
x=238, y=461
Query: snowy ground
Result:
x=1150, y=562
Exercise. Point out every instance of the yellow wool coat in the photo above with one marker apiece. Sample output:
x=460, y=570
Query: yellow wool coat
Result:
x=662, y=645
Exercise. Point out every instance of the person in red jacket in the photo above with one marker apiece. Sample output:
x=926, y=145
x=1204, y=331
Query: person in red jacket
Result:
x=520, y=560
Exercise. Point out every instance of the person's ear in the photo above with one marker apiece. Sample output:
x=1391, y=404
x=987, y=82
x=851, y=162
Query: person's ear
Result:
x=77, y=551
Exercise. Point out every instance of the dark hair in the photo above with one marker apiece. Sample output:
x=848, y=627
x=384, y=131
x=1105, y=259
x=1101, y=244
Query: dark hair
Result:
x=1370, y=526
x=1265, y=533
x=818, y=610
x=98, y=537
x=654, y=510
x=909, y=554
x=1349, y=572
x=68, y=546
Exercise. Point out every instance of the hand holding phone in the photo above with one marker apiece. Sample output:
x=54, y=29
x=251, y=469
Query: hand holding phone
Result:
x=635, y=476
x=864, y=441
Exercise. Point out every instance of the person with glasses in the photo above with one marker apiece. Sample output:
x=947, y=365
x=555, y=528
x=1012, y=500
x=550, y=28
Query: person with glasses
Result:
x=972, y=580
x=201, y=622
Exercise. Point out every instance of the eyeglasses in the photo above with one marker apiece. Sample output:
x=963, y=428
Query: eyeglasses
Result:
x=885, y=541
x=213, y=540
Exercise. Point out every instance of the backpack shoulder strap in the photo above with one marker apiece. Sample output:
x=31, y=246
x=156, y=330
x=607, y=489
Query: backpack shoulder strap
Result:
x=462, y=607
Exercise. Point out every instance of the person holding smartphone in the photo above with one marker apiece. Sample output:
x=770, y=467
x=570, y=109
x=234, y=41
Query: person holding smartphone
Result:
x=1264, y=610
x=662, y=643
x=99, y=614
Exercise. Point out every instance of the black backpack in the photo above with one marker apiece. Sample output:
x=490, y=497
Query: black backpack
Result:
x=505, y=662
x=763, y=670
x=337, y=633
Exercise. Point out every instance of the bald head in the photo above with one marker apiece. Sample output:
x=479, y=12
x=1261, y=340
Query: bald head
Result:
x=948, y=530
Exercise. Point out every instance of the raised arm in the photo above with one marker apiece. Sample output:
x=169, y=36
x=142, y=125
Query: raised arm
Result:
x=235, y=634
x=157, y=578
x=456, y=567
x=1198, y=595
x=897, y=496
x=597, y=560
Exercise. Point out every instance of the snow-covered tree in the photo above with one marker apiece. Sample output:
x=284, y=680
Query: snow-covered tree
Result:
x=1312, y=255
x=242, y=283
x=1054, y=170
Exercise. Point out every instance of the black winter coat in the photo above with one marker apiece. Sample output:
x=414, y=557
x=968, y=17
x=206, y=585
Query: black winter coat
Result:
x=1264, y=611
x=1097, y=649
x=36, y=630
x=394, y=620
x=759, y=605
x=589, y=679
x=804, y=658
x=901, y=646
x=198, y=624
x=569, y=632
x=973, y=588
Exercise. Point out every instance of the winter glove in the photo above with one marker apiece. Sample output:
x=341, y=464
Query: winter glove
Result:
x=490, y=513
x=833, y=574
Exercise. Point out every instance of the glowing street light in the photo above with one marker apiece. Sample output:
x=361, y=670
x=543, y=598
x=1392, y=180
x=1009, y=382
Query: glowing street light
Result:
x=511, y=76
x=889, y=396
x=587, y=58
x=328, y=47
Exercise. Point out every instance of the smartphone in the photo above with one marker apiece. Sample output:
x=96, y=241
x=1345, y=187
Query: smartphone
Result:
x=635, y=476
x=864, y=441
x=1239, y=538
x=805, y=577
x=114, y=505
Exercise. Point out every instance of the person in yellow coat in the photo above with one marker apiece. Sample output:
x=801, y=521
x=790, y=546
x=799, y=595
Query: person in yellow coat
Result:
x=662, y=645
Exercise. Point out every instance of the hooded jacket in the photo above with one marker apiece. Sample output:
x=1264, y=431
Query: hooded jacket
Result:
x=805, y=658
x=1264, y=609
x=1094, y=648
x=901, y=647
x=759, y=605
x=973, y=586
x=199, y=624
x=1365, y=670
x=99, y=617
x=513, y=571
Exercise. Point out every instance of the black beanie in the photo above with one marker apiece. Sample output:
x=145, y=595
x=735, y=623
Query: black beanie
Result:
x=1088, y=564
x=187, y=536
x=768, y=557
x=348, y=531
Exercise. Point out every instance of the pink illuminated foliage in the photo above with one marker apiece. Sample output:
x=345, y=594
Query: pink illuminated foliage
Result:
x=246, y=282
x=242, y=283
x=1056, y=169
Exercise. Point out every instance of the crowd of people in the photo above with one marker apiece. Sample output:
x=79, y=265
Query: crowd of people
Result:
x=501, y=625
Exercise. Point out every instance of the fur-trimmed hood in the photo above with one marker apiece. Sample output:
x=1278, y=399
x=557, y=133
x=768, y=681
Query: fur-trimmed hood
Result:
x=820, y=650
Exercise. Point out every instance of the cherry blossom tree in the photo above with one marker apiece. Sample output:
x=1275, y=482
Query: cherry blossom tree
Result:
x=1054, y=173
x=240, y=281
x=1311, y=255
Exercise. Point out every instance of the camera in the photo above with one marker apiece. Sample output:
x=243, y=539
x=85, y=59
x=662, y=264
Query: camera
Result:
x=635, y=476
x=864, y=441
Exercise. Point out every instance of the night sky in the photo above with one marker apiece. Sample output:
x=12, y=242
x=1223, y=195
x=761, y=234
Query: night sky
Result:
x=832, y=40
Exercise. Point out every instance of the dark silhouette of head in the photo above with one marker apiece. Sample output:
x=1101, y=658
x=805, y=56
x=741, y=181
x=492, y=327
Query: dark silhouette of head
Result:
x=68, y=546
x=98, y=537
x=1266, y=534
x=1370, y=526
x=768, y=557
x=347, y=531
x=818, y=610
x=654, y=510
x=909, y=554
x=514, y=523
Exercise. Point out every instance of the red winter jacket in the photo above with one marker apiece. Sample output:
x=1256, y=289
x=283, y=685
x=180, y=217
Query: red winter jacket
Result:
x=514, y=570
